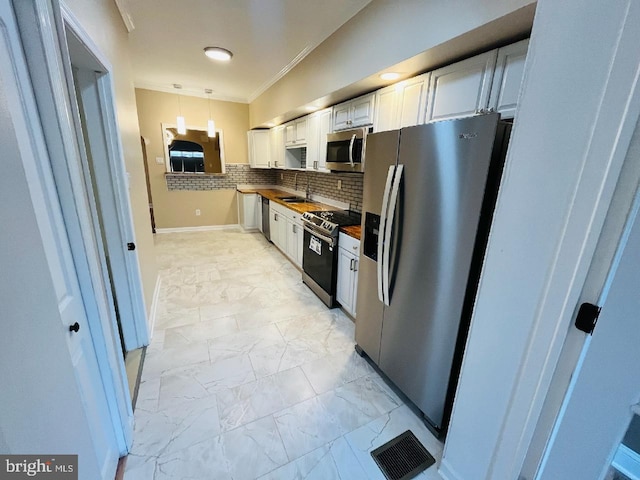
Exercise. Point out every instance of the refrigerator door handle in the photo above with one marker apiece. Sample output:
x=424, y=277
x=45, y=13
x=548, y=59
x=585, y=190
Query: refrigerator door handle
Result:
x=353, y=139
x=381, y=239
x=388, y=231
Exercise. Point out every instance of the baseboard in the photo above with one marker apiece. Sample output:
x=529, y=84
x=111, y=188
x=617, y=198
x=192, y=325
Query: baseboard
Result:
x=154, y=307
x=446, y=472
x=204, y=228
x=627, y=462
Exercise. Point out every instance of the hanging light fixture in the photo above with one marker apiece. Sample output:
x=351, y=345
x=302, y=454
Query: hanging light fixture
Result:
x=182, y=127
x=211, y=125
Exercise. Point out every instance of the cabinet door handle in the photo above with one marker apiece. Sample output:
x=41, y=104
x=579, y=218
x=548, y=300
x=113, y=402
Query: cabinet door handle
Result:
x=351, y=264
x=355, y=265
x=294, y=229
x=275, y=217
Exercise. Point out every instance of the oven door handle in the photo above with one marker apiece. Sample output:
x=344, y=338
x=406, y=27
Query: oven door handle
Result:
x=322, y=237
x=353, y=140
x=389, y=232
x=381, y=239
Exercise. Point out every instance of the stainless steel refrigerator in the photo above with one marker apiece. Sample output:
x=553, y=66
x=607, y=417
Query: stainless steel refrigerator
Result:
x=429, y=194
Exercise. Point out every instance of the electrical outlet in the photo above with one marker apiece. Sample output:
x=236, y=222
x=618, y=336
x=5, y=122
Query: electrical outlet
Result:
x=339, y=184
x=197, y=212
x=160, y=160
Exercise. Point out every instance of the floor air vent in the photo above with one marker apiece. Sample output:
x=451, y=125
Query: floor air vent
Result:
x=403, y=457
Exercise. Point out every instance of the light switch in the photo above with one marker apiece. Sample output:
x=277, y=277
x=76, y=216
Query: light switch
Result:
x=160, y=160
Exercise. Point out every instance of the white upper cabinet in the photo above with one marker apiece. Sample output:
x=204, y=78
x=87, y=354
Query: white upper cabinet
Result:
x=296, y=133
x=259, y=148
x=461, y=89
x=402, y=104
x=508, y=78
x=277, y=147
x=318, y=126
x=354, y=113
x=386, y=113
x=412, y=100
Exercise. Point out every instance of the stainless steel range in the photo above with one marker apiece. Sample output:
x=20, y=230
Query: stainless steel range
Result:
x=320, y=255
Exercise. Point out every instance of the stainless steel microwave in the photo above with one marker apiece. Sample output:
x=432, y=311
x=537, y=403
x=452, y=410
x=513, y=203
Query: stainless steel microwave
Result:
x=345, y=150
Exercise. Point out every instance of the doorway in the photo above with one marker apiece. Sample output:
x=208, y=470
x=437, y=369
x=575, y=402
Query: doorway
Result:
x=143, y=145
x=90, y=87
x=598, y=432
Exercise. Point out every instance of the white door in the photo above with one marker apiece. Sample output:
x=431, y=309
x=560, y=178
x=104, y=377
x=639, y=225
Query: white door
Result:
x=606, y=384
x=21, y=132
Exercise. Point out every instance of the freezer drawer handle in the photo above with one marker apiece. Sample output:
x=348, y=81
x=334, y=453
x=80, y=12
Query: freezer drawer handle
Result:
x=381, y=240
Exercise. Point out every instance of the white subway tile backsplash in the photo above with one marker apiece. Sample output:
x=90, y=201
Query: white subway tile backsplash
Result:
x=321, y=184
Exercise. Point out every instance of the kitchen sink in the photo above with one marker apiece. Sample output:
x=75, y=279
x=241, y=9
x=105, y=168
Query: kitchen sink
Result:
x=293, y=199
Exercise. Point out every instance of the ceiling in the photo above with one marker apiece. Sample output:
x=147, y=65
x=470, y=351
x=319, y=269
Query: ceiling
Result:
x=267, y=38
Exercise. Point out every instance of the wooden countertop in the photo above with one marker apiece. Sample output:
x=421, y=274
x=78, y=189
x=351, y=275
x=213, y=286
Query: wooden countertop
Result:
x=274, y=195
x=354, y=231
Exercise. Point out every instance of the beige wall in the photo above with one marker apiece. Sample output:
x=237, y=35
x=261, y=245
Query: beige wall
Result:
x=101, y=20
x=382, y=34
x=176, y=208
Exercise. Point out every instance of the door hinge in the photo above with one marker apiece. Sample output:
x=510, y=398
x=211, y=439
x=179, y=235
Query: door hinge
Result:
x=587, y=317
x=131, y=246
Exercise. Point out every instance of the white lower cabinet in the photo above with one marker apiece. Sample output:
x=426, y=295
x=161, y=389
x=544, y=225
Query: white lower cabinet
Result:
x=248, y=210
x=286, y=232
x=277, y=227
x=294, y=238
x=347, y=285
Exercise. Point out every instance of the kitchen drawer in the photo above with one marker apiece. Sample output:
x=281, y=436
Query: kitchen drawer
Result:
x=349, y=243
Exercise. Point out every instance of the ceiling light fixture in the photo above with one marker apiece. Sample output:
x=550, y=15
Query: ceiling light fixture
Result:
x=182, y=127
x=389, y=76
x=211, y=125
x=218, y=53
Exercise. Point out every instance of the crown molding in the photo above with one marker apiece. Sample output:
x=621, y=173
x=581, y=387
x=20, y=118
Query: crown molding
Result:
x=125, y=13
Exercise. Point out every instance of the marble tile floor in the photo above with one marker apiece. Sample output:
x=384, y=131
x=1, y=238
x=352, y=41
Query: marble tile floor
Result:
x=250, y=376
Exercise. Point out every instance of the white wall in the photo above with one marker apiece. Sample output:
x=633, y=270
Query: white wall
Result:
x=566, y=152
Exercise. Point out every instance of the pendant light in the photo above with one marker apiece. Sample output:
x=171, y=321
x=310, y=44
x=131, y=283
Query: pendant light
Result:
x=211, y=125
x=182, y=127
